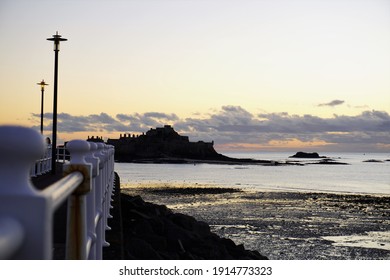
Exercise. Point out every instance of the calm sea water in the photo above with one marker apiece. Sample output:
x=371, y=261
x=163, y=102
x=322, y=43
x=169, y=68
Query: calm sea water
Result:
x=357, y=177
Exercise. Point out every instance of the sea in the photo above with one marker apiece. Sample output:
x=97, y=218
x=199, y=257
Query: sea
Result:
x=365, y=173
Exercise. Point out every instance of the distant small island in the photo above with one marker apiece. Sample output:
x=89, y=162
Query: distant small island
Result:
x=314, y=155
x=306, y=155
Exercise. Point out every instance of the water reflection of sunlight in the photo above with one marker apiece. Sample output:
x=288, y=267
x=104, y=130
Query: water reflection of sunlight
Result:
x=373, y=239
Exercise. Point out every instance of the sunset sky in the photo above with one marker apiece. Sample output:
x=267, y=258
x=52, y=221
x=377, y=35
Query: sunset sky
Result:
x=251, y=75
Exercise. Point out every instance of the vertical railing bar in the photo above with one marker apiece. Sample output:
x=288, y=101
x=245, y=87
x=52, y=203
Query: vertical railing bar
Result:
x=77, y=229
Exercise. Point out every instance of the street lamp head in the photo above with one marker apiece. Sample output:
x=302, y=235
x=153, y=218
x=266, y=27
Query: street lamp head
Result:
x=57, y=39
x=42, y=84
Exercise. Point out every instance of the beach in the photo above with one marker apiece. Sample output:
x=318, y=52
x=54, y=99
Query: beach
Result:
x=282, y=225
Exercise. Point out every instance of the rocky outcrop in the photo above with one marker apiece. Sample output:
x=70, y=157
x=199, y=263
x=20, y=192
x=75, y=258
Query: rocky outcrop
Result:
x=306, y=155
x=328, y=161
x=154, y=232
x=324, y=160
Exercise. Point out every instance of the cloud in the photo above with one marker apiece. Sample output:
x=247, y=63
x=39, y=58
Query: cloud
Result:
x=95, y=123
x=141, y=122
x=229, y=127
x=157, y=115
x=332, y=103
x=235, y=126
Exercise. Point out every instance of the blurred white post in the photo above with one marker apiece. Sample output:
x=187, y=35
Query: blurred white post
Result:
x=29, y=209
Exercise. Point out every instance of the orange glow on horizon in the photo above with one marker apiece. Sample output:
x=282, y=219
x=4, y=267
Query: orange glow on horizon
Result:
x=273, y=145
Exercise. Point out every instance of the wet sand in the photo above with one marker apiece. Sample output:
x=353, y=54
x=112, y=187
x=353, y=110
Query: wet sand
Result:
x=283, y=225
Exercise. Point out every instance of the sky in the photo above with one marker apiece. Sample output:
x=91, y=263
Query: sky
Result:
x=267, y=75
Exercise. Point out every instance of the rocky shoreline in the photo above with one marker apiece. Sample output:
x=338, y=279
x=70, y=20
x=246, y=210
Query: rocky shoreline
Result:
x=283, y=225
x=224, y=160
x=154, y=232
x=220, y=160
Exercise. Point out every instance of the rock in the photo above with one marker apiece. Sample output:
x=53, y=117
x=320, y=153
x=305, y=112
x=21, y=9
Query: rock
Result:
x=175, y=232
x=157, y=242
x=306, y=155
x=141, y=215
x=228, y=242
x=158, y=225
x=141, y=250
x=142, y=227
x=374, y=160
x=202, y=228
x=328, y=161
x=184, y=221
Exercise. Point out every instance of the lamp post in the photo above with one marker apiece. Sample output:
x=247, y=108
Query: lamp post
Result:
x=42, y=84
x=56, y=39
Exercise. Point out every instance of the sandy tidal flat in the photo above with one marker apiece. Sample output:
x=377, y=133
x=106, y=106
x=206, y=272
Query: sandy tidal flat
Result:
x=283, y=225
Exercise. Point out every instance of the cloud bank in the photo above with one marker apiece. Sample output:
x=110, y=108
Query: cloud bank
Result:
x=233, y=127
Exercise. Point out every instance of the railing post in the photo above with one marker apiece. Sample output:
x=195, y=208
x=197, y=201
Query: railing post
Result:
x=92, y=214
x=100, y=228
x=49, y=156
x=109, y=189
x=106, y=198
x=20, y=147
x=110, y=166
x=77, y=233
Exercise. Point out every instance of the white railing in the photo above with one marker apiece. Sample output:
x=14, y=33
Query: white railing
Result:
x=43, y=164
x=26, y=214
x=62, y=155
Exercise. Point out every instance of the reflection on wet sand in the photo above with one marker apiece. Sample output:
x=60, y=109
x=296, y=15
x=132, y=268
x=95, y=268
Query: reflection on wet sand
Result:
x=283, y=225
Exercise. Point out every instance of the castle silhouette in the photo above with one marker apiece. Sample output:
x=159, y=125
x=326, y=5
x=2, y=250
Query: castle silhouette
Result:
x=162, y=143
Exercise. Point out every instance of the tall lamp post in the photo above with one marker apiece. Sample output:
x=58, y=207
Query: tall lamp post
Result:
x=56, y=39
x=42, y=84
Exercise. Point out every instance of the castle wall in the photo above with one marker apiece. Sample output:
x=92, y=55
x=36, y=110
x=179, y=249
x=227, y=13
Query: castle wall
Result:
x=162, y=142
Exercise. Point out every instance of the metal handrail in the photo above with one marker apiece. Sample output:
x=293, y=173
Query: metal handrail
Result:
x=60, y=190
